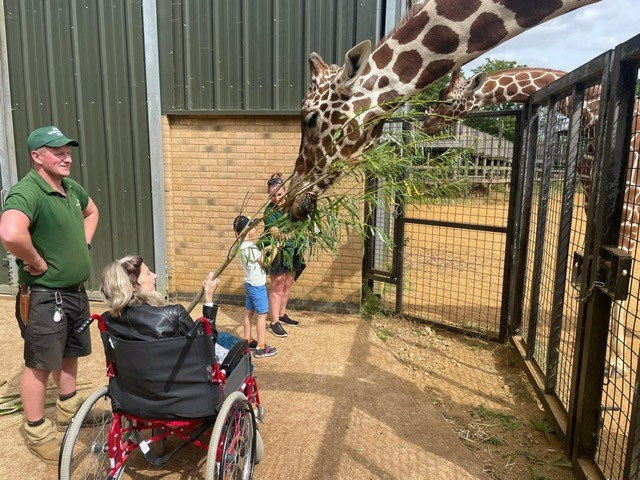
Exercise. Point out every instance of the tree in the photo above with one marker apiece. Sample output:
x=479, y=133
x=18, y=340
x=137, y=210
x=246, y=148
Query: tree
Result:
x=495, y=126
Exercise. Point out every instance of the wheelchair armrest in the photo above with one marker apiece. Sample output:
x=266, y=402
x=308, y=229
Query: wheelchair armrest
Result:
x=234, y=356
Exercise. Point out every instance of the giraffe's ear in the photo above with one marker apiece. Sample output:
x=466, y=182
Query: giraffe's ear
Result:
x=316, y=65
x=355, y=61
x=475, y=82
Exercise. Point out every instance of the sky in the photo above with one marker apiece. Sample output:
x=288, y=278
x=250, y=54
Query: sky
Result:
x=571, y=40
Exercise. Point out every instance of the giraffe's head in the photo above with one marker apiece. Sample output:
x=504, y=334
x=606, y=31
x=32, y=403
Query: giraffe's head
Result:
x=454, y=102
x=344, y=108
x=336, y=123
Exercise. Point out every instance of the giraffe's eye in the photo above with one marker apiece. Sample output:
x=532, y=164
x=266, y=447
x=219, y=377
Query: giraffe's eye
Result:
x=311, y=119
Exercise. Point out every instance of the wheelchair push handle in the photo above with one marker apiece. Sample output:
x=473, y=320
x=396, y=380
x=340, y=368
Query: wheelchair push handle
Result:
x=206, y=323
x=85, y=324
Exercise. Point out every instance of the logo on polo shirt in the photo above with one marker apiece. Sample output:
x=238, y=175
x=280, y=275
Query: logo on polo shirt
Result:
x=78, y=203
x=55, y=131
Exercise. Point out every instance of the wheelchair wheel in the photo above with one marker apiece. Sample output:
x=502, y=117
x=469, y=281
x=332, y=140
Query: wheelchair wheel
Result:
x=232, y=449
x=84, y=449
x=259, y=447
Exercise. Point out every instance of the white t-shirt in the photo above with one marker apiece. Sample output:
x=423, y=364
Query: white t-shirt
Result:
x=250, y=255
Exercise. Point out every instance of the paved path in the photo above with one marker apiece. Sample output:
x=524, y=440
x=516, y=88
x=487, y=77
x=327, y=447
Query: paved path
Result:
x=339, y=406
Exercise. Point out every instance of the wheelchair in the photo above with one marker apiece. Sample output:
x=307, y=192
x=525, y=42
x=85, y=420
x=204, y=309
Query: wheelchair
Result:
x=167, y=389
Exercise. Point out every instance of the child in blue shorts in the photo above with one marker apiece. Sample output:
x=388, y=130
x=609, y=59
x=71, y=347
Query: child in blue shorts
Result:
x=255, y=287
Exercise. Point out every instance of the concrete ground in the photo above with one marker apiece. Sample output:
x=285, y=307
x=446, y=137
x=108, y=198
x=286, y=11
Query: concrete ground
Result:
x=339, y=406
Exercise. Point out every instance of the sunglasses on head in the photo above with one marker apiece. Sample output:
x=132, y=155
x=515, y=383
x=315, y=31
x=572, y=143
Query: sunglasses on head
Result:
x=274, y=181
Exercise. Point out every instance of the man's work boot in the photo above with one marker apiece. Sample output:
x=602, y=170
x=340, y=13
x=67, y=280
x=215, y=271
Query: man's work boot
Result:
x=66, y=409
x=42, y=441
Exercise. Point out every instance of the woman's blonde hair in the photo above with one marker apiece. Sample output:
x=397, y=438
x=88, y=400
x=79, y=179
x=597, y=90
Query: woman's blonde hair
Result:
x=120, y=288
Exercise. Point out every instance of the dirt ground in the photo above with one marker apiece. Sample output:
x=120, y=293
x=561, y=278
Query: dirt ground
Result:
x=339, y=406
x=482, y=392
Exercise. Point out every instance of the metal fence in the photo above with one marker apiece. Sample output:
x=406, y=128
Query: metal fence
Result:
x=546, y=257
x=574, y=308
x=435, y=271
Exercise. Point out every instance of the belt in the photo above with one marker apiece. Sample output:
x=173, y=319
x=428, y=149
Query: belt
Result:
x=72, y=289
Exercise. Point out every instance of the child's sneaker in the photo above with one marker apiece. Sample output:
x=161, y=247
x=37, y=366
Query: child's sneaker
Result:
x=277, y=329
x=267, y=351
x=253, y=344
x=292, y=323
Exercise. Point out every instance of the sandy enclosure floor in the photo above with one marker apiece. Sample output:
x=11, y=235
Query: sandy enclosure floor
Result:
x=339, y=406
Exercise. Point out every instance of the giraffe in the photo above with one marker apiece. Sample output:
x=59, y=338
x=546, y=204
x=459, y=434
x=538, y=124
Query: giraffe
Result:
x=344, y=108
x=461, y=97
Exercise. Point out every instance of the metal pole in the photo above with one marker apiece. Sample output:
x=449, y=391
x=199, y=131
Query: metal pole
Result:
x=538, y=257
x=523, y=220
x=593, y=315
x=515, y=187
x=564, y=234
x=154, y=120
x=8, y=165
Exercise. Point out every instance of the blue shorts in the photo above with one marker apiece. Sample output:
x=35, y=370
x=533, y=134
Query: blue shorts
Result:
x=256, y=298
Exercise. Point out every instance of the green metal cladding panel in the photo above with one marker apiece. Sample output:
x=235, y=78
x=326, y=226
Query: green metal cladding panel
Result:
x=250, y=56
x=79, y=64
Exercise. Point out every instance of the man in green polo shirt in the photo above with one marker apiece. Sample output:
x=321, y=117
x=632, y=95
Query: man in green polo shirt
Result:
x=48, y=222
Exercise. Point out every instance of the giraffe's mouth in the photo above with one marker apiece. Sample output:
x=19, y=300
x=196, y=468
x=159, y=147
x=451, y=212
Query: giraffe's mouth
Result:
x=302, y=206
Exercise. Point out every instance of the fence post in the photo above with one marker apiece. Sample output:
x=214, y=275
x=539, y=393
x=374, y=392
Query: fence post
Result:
x=603, y=229
x=398, y=237
x=541, y=230
x=515, y=189
x=564, y=235
x=626, y=116
x=367, y=257
x=522, y=219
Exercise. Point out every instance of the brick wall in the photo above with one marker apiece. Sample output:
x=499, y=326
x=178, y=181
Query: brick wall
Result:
x=210, y=164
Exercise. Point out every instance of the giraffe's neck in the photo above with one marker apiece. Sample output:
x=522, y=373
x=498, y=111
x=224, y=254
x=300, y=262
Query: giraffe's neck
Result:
x=512, y=85
x=444, y=35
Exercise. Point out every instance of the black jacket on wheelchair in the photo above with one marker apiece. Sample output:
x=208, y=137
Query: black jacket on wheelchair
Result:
x=159, y=371
x=145, y=322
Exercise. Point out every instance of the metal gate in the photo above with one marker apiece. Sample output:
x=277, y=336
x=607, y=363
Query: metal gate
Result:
x=574, y=308
x=451, y=257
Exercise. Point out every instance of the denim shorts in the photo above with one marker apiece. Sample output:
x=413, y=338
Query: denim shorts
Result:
x=256, y=298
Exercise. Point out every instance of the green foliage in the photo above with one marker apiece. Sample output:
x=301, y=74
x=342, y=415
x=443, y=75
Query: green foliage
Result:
x=403, y=174
x=542, y=425
x=494, y=440
x=490, y=66
x=372, y=306
x=384, y=334
x=507, y=422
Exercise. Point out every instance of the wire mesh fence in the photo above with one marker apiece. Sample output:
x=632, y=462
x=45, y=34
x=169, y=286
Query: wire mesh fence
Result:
x=623, y=342
x=454, y=248
x=559, y=227
x=577, y=317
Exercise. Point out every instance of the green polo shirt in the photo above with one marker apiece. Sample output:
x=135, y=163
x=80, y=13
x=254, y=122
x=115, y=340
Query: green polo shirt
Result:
x=57, y=229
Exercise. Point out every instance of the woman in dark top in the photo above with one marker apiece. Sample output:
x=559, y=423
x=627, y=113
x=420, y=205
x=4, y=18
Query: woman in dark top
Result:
x=286, y=267
x=138, y=312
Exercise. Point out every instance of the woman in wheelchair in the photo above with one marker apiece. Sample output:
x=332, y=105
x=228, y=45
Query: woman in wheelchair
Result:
x=165, y=381
x=138, y=312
